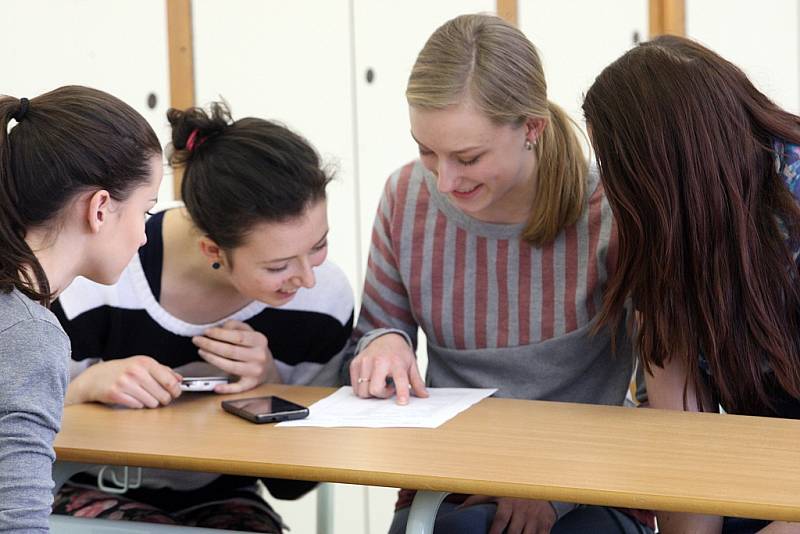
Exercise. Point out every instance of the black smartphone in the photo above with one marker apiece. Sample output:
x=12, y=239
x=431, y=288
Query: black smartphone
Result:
x=265, y=409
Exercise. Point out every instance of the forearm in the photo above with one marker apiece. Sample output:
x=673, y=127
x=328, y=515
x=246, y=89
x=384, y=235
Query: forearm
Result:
x=781, y=527
x=681, y=523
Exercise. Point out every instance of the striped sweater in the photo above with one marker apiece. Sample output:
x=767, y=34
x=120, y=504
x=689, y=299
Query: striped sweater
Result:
x=496, y=311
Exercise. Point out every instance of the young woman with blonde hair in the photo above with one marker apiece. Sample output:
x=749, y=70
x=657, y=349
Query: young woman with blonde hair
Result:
x=498, y=243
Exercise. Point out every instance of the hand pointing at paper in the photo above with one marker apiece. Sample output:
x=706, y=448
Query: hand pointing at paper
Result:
x=387, y=357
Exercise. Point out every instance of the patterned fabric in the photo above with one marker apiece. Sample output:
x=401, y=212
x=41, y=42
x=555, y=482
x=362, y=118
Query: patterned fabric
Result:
x=246, y=514
x=787, y=165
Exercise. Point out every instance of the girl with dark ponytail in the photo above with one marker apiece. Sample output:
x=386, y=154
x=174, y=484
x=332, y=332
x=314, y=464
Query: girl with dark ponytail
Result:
x=78, y=171
x=234, y=282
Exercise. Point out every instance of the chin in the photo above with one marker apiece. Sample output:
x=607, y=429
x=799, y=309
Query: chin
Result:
x=104, y=278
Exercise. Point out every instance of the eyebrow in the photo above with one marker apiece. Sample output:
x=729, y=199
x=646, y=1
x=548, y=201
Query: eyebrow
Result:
x=462, y=151
x=318, y=243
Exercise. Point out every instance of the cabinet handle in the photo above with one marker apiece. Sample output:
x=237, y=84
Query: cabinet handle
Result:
x=152, y=100
x=370, y=75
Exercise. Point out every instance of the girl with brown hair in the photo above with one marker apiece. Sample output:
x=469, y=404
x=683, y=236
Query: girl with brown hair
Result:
x=701, y=170
x=79, y=169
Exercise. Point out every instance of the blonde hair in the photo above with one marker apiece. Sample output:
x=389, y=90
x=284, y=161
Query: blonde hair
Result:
x=492, y=62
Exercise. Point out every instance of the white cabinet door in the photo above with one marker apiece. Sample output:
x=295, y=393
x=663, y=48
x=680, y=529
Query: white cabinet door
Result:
x=759, y=37
x=119, y=47
x=576, y=39
x=388, y=37
x=290, y=62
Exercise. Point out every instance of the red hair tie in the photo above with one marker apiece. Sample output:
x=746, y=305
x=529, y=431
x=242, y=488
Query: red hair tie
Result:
x=192, y=142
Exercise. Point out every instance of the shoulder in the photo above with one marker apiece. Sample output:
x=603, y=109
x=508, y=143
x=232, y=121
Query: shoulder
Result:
x=20, y=313
x=596, y=208
x=31, y=336
x=410, y=175
x=331, y=295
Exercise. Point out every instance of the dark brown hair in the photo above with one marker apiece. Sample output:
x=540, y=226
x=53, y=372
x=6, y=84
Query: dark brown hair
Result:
x=238, y=174
x=685, y=145
x=67, y=141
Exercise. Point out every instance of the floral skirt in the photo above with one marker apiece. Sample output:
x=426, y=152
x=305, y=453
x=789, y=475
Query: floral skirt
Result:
x=243, y=511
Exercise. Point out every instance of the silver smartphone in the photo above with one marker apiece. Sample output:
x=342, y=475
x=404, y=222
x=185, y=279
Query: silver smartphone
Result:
x=203, y=383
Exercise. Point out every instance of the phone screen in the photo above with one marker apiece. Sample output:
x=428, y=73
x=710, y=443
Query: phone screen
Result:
x=265, y=409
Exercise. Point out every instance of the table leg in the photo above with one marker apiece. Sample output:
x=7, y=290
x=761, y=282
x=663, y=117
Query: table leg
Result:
x=423, y=511
x=325, y=508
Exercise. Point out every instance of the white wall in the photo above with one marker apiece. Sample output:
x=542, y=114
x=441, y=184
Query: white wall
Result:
x=760, y=37
x=118, y=47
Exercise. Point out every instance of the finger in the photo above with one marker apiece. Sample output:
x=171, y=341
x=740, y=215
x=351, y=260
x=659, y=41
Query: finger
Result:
x=354, y=368
x=519, y=520
x=152, y=386
x=244, y=384
x=377, y=379
x=476, y=499
x=139, y=393
x=362, y=378
x=229, y=337
x=417, y=383
x=168, y=379
x=231, y=351
x=400, y=378
x=122, y=398
x=236, y=325
x=501, y=518
x=227, y=365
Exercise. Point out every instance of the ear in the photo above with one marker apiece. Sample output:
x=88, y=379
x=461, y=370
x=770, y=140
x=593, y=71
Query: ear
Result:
x=211, y=250
x=98, y=210
x=533, y=129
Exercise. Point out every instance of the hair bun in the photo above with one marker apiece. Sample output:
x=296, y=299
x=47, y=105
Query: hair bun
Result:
x=194, y=126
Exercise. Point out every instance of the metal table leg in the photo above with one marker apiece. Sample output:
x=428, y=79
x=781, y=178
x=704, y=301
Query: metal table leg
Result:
x=423, y=511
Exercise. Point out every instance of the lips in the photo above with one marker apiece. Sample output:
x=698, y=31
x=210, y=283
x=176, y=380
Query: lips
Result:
x=464, y=195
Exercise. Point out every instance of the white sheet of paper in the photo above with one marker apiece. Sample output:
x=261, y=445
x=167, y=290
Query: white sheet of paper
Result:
x=343, y=408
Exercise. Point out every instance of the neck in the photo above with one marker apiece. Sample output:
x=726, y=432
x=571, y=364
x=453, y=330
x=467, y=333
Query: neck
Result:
x=56, y=256
x=181, y=239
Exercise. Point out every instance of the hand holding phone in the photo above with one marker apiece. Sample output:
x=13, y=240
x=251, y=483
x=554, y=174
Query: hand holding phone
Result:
x=236, y=349
x=265, y=409
x=203, y=383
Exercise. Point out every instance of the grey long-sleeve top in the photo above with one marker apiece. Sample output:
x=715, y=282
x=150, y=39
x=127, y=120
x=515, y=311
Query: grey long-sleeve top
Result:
x=34, y=372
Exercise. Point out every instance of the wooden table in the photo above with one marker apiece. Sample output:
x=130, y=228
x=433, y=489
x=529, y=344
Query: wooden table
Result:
x=639, y=458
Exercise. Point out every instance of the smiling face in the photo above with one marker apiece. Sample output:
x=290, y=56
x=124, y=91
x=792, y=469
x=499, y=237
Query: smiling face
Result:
x=484, y=168
x=278, y=258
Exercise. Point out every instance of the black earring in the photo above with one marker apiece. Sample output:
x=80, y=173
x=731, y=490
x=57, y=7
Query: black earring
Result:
x=216, y=265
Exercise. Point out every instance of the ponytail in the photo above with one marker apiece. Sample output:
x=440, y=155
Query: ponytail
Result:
x=560, y=191
x=19, y=267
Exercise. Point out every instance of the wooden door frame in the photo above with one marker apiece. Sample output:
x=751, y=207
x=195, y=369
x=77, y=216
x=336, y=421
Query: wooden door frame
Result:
x=181, y=65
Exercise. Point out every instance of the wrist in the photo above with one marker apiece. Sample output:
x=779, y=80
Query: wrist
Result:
x=76, y=392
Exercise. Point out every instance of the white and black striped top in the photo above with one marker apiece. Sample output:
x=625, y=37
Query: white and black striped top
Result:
x=126, y=319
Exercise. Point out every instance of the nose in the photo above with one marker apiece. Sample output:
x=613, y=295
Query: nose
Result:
x=446, y=177
x=305, y=277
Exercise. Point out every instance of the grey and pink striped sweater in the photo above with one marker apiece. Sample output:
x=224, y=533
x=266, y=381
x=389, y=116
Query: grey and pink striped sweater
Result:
x=496, y=311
